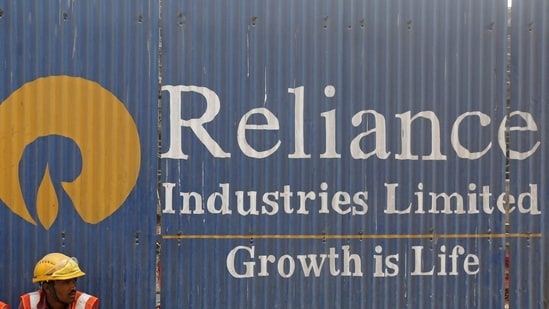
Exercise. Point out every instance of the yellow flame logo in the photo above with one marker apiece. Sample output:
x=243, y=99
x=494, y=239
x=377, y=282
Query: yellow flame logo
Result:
x=97, y=122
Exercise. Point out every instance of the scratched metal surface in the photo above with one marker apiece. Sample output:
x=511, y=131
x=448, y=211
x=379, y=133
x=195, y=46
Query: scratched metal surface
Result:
x=529, y=93
x=286, y=141
x=312, y=129
x=74, y=76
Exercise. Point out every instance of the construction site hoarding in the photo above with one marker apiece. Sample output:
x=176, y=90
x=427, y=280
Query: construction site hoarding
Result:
x=529, y=94
x=277, y=153
x=328, y=154
x=78, y=119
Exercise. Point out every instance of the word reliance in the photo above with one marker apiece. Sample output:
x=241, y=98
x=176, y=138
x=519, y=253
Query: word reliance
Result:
x=374, y=120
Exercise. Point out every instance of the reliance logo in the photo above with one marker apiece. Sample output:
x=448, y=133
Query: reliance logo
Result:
x=96, y=121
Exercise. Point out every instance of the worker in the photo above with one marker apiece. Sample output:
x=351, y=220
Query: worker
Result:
x=4, y=305
x=57, y=273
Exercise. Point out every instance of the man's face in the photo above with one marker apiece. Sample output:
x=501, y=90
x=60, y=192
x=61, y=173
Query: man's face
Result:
x=62, y=291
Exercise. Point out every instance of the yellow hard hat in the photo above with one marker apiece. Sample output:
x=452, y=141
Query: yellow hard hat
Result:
x=56, y=266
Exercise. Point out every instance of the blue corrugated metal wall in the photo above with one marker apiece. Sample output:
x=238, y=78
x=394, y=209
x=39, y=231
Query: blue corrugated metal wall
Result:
x=286, y=141
x=314, y=154
x=93, y=66
x=529, y=93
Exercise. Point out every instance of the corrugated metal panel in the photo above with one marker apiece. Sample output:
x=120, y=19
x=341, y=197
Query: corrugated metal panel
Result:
x=78, y=86
x=285, y=140
x=530, y=95
x=297, y=110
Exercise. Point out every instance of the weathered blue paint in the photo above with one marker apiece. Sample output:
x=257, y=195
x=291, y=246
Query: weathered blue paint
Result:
x=285, y=142
x=306, y=166
x=529, y=93
x=113, y=44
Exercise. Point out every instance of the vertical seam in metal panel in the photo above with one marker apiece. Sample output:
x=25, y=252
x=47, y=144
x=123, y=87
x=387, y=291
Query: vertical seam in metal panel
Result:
x=508, y=50
x=158, y=248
